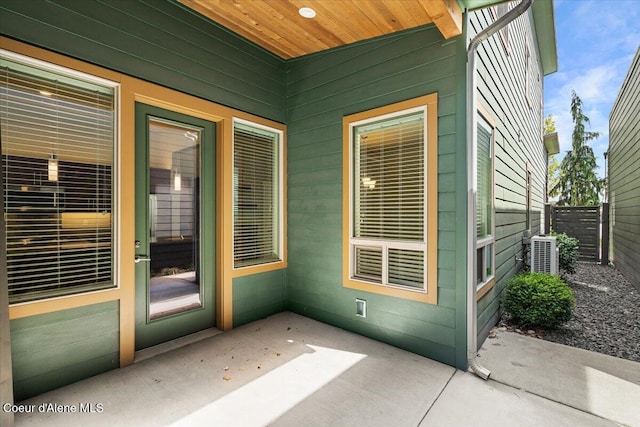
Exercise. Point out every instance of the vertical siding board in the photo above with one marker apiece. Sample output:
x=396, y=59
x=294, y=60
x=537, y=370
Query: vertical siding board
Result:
x=624, y=175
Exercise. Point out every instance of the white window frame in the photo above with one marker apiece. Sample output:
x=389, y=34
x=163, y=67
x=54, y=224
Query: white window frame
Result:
x=281, y=193
x=497, y=12
x=63, y=71
x=386, y=245
x=527, y=72
x=488, y=241
x=484, y=244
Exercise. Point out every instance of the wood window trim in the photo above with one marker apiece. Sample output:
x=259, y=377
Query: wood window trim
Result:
x=89, y=297
x=90, y=201
x=429, y=295
x=282, y=263
x=485, y=288
x=50, y=305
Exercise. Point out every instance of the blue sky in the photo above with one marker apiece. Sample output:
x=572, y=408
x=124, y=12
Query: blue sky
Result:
x=596, y=40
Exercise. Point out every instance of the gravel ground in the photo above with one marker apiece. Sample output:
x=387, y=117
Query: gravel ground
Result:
x=607, y=315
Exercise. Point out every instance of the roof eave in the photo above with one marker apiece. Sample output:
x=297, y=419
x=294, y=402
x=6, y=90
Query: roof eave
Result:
x=544, y=21
x=551, y=143
x=479, y=4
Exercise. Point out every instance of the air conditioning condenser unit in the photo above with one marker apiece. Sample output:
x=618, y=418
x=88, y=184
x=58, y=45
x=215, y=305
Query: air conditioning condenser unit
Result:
x=545, y=256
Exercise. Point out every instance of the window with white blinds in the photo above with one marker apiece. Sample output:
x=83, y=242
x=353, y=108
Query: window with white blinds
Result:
x=388, y=200
x=484, y=203
x=257, y=194
x=58, y=133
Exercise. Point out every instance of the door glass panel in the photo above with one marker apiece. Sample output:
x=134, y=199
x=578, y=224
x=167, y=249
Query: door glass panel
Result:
x=174, y=218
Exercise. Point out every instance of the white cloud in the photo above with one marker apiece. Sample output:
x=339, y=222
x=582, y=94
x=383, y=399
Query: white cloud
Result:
x=598, y=22
x=594, y=85
x=596, y=43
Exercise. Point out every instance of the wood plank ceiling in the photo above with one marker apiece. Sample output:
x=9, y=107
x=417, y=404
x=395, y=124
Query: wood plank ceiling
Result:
x=278, y=26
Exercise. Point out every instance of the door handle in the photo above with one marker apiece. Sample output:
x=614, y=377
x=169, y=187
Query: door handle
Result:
x=141, y=258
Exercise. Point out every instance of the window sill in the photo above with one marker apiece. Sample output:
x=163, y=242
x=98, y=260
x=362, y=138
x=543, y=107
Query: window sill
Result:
x=419, y=295
x=484, y=288
x=32, y=308
x=260, y=268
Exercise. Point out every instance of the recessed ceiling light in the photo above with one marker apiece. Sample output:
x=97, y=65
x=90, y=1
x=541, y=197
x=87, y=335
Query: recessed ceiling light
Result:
x=307, y=12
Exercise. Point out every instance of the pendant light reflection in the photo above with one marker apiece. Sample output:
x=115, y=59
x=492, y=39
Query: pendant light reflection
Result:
x=52, y=167
x=177, y=180
x=369, y=183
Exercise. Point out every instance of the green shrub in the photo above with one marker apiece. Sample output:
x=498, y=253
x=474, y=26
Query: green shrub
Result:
x=538, y=299
x=568, y=248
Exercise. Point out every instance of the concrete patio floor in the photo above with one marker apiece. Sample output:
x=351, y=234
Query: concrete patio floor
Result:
x=288, y=370
x=606, y=386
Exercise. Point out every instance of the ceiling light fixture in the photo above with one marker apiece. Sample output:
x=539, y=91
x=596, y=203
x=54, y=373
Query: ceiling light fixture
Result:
x=307, y=12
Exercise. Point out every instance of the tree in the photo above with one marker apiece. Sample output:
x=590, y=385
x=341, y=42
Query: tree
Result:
x=578, y=184
x=549, y=124
x=553, y=167
x=553, y=172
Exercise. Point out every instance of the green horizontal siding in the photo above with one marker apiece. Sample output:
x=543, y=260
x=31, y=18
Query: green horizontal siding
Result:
x=518, y=141
x=55, y=349
x=165, y=43
x=160, y=41
x=321, y=90
x=624, y=175
x=258, y=296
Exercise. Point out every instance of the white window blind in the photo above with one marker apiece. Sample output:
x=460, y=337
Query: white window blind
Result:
x=256, y=195
x=57, y=155
x=484, y=210
x=485, y=257
x=389, y=201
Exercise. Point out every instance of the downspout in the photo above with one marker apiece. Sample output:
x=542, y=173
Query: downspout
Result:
x=472, y=184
